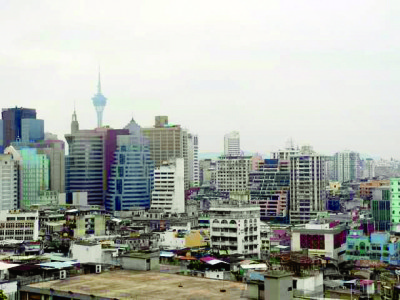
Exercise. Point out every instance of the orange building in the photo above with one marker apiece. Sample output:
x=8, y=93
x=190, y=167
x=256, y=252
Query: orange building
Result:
x=366, y=188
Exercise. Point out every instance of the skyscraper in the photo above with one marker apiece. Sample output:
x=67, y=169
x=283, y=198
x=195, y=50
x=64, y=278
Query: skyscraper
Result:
x=232, y=144
x=14, y=126
x=132, y=173
x=55, y=152
x=34, y=174
x=346, y=166
x=88, y=165
x=168, y=142
x=194, y=167
x=99, y=102
x=307, y=185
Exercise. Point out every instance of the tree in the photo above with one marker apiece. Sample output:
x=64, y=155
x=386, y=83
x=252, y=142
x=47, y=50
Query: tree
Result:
x=2, y=296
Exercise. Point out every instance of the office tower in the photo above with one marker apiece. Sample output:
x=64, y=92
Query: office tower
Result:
x=9, y=188
x=168, y=141
x=232, y=144
x=18, y=124
x=169, y=191
x=32, y=130
x=380, y=208
x=269, y=187
x=307, y=185
x=99, y=102
x=55, y=152
x=368, y=169
x=34, y=174
x=232, y=173
x=194, y=168
x=132, y=173
x=346, y=166
x=89, y=160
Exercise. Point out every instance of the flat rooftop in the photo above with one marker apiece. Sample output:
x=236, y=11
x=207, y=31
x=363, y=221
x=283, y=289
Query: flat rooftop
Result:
x=124, y=284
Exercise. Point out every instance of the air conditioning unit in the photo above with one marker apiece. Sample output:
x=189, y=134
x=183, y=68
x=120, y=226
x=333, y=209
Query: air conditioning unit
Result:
x=63, y=274
x=98, y=268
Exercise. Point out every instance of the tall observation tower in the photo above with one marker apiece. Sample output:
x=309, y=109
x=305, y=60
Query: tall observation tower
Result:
x=99, y=102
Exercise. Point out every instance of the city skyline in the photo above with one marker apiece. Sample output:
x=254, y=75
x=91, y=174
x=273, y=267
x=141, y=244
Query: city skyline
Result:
x=263, y=70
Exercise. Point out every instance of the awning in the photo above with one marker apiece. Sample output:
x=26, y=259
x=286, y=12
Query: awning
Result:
x=58, y=265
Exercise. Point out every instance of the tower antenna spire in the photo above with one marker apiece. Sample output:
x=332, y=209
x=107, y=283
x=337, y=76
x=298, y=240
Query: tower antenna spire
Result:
x=99, y=83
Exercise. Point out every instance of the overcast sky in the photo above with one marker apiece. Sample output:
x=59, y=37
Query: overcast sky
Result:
x=325, y=73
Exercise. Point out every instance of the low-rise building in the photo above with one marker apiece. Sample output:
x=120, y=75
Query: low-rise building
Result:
x=322, y=238
x=19, y=225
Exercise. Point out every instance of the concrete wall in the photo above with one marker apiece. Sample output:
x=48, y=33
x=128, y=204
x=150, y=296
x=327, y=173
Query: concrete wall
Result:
x=146, y=263
x=278, y=288
x=87, y=254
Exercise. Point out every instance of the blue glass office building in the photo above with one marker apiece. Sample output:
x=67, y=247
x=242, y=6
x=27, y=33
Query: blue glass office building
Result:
x=132, y=173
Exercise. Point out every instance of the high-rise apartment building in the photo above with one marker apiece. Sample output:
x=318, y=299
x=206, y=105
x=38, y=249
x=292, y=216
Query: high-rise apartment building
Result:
x=1, y=136
x=269, y=187
x=34, y=174
x=232, y=144
x=168, y=142
x=21, y=123
x=132, y=173
x=9, y=182
x=232, y=173
x=88, y=164
x=169, y=191
x=346, y=166
x=194, y=167
x=368, y=168
x=307, y=186
x=55, y=152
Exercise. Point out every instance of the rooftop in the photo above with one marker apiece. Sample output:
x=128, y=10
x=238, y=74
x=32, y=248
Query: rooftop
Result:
x=145, y=285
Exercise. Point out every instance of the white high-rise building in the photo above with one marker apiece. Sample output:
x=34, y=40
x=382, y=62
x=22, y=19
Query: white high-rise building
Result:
x=9, y=174
x=169, y=187
x=368, y=171
x=232, y=144
x=346, y=166
x=194, y=167
x=308, y=183
x=232, y=173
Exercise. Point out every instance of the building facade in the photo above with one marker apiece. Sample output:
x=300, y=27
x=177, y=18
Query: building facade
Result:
x=132, y=173
x=321, y=238
x=18, y=225
x=395, y=203
x=368, y=168
x=169, y=190
x=235, y=227
x=194, y=167
x=88, y=165
x=55, y=152
x=232, y=144
x=12, y=123
x=9, y=182
x=168, y=142
x=307, y=186
x=346, y=166
x=269, y=188
x=232, y=173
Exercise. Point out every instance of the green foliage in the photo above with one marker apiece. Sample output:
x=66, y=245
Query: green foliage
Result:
x=2, y=296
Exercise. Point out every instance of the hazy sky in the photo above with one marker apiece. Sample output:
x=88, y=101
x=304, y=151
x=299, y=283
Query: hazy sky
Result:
x=325, y=73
